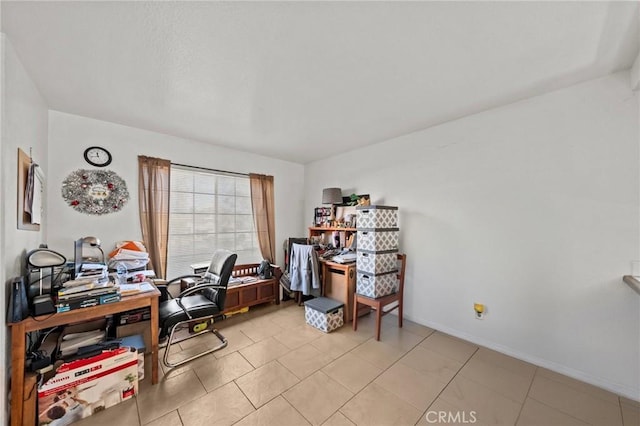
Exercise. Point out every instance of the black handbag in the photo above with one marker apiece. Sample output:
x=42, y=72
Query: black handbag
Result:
x=265, y=270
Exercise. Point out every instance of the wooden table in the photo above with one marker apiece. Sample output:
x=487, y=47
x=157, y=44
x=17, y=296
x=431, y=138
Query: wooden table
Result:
x=339, y=283
x=20, y=329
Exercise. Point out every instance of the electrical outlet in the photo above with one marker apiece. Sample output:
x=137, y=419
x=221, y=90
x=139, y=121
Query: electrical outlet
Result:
x=480, y=310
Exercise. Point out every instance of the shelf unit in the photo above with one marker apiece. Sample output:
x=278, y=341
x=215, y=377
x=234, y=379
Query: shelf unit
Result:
x=344, y=233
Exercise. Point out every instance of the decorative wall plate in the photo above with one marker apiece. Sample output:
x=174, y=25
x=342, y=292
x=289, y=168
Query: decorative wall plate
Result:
x=95, y=191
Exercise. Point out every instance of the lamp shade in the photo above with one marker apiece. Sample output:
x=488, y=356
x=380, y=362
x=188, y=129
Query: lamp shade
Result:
x=92, y=241
x=332, y=196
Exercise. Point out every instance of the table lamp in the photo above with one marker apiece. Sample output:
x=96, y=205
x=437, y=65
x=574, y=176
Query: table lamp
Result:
x=94, y=243
x=332, y=196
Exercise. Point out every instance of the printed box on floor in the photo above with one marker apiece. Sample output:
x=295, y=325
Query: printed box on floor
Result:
x=83, y=387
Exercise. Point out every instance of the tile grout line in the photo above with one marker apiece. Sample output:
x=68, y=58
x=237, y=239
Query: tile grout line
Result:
x=320, y=369
x=448, y=383
x=621, y=410
x=381, y=373
x=527, y=395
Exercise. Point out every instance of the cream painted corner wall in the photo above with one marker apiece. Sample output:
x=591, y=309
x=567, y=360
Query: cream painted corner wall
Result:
x=24, y=125
x=531, y=209
x=70, y=135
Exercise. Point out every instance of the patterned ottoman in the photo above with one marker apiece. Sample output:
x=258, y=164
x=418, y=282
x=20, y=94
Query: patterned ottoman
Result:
x=324, y=314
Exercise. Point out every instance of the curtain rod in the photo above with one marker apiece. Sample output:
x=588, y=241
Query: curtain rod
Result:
x=211, y=170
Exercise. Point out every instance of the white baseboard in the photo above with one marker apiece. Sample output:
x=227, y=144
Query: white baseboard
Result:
x=617, y=388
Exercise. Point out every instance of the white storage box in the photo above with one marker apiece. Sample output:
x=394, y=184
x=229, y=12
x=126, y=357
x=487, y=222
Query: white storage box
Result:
x=377, y=285
x=376, y=217
x=377, y=239
x=376, y=262
x=86, y=386
x=324, y=314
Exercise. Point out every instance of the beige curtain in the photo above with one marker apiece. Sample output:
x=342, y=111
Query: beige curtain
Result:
x=264, y=214
x=153, y=195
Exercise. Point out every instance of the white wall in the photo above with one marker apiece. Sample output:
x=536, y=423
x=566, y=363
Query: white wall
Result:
x=24, y=125
x=532, y=209
x=70, y=135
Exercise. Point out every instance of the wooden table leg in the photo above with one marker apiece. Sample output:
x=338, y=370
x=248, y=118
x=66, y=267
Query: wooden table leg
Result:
x=155, y=320
x=18, y=352
x=277, y=273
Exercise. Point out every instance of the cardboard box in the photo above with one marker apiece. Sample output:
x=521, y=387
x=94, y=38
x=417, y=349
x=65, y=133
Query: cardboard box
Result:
x=83, y=387
x=136, y=342
x=376, y=285
x=377, y=239
x=376, y=217
x=379, y=262
x=141, y=327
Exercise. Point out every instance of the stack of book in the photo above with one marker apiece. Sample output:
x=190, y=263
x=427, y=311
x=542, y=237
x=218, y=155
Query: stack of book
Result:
x=93, y=271
x=86, y=291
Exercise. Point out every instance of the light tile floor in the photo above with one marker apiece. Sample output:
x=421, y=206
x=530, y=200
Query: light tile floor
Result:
x=279, y=371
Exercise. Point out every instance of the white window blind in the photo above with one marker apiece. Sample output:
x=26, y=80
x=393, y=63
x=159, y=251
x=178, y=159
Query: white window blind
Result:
x=208, y=211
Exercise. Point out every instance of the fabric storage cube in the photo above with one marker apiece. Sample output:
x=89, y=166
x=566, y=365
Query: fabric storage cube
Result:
x=376, y=285
x=324, y=314
x=377, y=239
x=376, y=217
x=377, y=262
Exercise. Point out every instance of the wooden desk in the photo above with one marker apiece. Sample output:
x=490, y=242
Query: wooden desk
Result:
x=20, y=329
x=339, y=283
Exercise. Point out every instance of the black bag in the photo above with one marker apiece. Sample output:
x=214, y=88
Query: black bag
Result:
x=265, y=270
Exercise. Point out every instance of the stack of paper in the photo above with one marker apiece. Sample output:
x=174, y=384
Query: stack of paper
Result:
x=132, y=259
x=71, y=342
x=93, y=271
x=129, y=289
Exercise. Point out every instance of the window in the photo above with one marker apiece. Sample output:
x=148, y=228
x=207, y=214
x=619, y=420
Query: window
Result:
x=208, y=211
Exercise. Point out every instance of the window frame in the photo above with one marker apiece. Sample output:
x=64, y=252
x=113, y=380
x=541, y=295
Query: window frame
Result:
x=216, y=230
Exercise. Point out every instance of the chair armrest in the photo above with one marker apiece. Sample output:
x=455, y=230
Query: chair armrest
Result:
x=164, y=292
x=180, y=278
x=199, y=287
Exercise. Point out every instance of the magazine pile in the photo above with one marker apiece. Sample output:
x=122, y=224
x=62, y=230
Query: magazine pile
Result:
x=91, y=287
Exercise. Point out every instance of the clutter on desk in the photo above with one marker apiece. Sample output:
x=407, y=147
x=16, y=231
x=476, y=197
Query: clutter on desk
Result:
x=345, y=256
x=52, y=285
x=91, y=287
x=130, y=254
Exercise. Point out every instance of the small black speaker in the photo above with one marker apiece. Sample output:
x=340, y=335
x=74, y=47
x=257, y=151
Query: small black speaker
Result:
x=18, y=305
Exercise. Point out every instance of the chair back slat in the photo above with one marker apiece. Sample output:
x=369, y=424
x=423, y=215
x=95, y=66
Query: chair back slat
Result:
x=402, y=260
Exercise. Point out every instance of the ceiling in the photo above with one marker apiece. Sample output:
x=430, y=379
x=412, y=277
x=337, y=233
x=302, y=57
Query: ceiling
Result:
x=303, y=81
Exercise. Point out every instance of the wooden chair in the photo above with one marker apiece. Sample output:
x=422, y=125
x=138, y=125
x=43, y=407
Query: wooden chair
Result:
x=380, y=303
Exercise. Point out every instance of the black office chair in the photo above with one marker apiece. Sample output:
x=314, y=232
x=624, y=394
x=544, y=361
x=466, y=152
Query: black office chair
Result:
x=198, y=306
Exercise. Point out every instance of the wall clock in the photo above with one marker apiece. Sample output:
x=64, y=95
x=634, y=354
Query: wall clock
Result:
x=97, y=156
x=95, y=191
